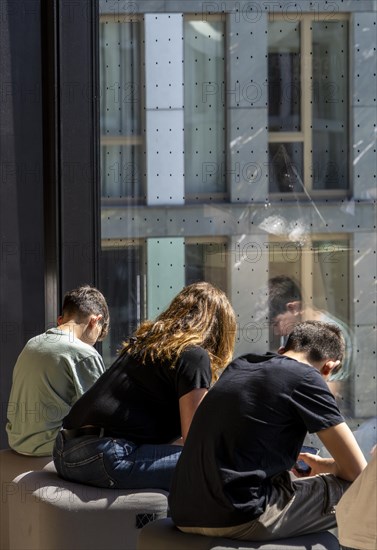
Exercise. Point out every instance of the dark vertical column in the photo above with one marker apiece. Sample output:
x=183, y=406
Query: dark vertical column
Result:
x=71, y=140
x=51, y=164
x=21, y=186
x=71, y=146
x=79, y=142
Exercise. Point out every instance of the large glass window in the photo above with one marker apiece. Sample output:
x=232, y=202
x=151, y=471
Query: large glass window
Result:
x=308, y=104
x=173, y=213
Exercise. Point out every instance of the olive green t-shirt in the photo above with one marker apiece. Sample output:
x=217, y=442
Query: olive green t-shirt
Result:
x=53, y=370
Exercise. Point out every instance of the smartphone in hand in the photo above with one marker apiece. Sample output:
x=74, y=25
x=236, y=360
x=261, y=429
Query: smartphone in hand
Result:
x=301, y=467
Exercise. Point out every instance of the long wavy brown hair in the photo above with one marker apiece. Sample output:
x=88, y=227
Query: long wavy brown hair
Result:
x=200, y=315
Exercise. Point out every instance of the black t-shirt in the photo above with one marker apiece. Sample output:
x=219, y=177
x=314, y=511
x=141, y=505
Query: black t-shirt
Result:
x=249, y=428
x=140, y=402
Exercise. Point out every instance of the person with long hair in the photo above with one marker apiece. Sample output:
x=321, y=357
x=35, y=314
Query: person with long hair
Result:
x=127, y=431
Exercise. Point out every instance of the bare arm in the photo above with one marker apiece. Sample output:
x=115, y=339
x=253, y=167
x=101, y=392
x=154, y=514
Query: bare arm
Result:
x=348, y=460
x=188, y=404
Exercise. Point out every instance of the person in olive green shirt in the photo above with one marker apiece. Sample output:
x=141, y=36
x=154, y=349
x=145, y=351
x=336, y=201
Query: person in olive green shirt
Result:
x=53, y=370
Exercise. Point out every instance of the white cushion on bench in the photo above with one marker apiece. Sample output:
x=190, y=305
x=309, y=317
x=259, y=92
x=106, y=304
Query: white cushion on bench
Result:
x=49, y=513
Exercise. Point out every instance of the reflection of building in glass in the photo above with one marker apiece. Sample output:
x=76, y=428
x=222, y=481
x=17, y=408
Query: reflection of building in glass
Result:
x=233, y=150
x=284, y=169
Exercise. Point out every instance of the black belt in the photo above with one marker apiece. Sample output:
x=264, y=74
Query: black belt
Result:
x=80, y=432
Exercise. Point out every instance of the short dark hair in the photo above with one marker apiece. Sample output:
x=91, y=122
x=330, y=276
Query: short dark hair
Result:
x=282, y=290
x=320, y=341
x=84, y=301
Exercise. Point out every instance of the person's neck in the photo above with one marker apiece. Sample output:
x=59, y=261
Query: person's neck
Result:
x=298, y=356
x=324, y=367
x=73, y=328
x=311, y=314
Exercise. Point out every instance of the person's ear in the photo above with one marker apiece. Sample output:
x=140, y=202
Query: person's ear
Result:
x=328, y=367
x=60, y=320
x=281, y=350
x=294, y=307
x=94, y=320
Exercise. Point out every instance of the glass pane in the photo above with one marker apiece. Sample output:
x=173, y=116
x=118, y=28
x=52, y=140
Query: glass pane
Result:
x=322, y=297
x=120, y=172
x=330, y=105
x=120, y=108
x=283, y=76
x=206, y=262
x=331, y=277
x=122, y=282
x=284, y=259
x=330, y=298
x=285, y=167
x=204, y=97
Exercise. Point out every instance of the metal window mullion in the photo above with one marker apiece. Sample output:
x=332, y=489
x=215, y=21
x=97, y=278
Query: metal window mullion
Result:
x=119, y=140
x=307, y=259
x=306, y=99
x=286, y=137
x=123, y=18
x=142, y=115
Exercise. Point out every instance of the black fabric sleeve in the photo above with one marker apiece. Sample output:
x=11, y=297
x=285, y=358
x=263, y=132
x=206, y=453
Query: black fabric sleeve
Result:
x=193, y=371
x=315, y=403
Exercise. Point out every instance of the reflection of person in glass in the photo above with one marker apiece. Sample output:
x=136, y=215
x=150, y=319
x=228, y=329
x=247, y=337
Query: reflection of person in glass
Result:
x=287, y=308
x=128, y=430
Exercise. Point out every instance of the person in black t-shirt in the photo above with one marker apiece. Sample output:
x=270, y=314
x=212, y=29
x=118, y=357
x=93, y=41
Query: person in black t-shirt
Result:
x=127, y=431
x=287, y=308
x=233, y=477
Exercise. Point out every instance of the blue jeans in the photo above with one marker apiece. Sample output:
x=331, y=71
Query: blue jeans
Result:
x=115, y=463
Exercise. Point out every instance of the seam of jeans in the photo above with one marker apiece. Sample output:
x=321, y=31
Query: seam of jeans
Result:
x=84, y=462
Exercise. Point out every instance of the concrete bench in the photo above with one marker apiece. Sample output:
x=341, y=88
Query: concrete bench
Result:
x=49, y=513
x=11, y=465
x=163, y=535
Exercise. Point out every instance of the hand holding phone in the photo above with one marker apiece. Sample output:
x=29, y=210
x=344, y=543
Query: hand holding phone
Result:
x=301, y=467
